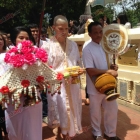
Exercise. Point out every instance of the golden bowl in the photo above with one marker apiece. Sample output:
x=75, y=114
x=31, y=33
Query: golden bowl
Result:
x=107, y=84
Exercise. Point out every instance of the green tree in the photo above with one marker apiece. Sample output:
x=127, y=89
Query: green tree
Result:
x=26, y=12
x=109, y=12
x=132, y=10
x=99, y=10
x=30, y=10
x=136, y=9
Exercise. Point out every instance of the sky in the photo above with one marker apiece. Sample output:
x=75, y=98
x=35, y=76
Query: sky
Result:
x=117, y=7
x=127, y=4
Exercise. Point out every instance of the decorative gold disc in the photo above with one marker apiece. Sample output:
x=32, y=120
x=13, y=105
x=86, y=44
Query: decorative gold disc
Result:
x=115, y=38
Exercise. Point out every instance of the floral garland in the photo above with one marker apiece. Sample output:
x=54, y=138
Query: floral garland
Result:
x=25, y=54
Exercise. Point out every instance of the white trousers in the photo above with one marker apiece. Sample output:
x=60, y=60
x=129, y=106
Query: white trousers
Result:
x=110, y=110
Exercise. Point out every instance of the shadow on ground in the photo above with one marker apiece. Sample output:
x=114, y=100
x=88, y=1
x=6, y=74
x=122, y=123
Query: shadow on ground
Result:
x=47, y=133
x=124, y=125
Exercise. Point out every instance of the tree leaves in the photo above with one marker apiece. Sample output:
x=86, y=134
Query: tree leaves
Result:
x=30, y=10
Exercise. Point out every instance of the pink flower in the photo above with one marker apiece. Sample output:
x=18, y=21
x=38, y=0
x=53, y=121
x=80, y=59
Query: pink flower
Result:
x=25, y=53
x=41, y=54
x=26, y=49
x=7, y=58
x=29, y=58
x=13, y=50
x=17, y=60
x=26, y=43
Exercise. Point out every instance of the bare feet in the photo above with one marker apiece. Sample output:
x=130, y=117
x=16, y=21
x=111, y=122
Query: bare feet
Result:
x=87, y=101
x=57, y=133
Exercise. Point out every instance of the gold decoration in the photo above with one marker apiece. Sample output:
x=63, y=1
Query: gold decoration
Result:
x=75, y=72
x=115, y=38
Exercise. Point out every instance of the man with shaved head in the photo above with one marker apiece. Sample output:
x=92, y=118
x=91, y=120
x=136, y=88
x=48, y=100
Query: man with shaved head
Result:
x=65, y=108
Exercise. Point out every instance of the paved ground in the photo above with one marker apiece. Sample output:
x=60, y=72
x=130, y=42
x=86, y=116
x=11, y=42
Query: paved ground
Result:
x=128, y=125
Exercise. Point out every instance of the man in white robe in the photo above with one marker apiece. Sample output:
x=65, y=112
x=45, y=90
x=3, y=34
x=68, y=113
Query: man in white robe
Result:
x=64, y=108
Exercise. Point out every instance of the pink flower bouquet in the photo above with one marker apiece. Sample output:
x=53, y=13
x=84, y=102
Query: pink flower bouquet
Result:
x=25, y=54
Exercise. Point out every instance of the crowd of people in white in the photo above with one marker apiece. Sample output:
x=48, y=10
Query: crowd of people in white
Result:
x=62, y=112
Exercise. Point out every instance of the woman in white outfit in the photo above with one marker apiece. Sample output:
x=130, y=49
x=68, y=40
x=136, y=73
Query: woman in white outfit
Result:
x=26, y=122
x=122, y=19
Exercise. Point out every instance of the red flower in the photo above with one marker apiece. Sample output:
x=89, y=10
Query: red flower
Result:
x=25, y=83
x=50, y=67
x=60, y=76
x=4, y=90
x=40, y=79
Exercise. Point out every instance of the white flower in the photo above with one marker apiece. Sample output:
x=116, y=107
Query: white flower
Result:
x=19, y=46
x=38, y=62
x=25, y=66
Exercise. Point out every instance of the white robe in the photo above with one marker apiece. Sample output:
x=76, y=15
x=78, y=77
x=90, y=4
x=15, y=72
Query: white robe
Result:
x=26, y=122
x=57, y=104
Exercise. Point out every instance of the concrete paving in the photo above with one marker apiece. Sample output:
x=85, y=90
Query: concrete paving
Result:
x=128, y=127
